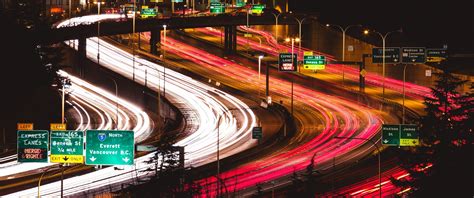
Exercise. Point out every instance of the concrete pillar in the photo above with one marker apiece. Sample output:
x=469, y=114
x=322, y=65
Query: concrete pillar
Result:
x=230, y=39
x=155, y=38
x=82, y=47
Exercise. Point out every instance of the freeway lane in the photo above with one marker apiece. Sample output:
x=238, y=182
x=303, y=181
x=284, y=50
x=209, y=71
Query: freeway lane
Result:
x=100, y=114
x=332, y=116
x=235, y=130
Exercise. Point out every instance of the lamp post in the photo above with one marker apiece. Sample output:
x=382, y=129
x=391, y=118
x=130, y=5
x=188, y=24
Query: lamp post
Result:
x=116, y=102
x=44, y=172
x=164, y=58
x=293, y=40
x=259, y=65
x=343, y=30
x=276, y=23
x=403, y=103
x=300, y=22
x=378, y=150
x=383, y=56
x=133, y=35
x=98, y=30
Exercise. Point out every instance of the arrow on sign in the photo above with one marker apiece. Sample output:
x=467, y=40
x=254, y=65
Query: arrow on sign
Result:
x=385, y=141
x=65, y=158
x=92, y=158
x=125, y=159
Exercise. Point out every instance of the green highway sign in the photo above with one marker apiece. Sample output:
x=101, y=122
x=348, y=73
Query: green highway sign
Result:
x=257, y=8
x=257, y=133
x=390, y=134
x=148, y=12
x=32, y=146
x=436, y=55
x=109, y=147
x=409, y=135
x=413, y=55
x=314, y=62
x=217, y=7
x=67, y=147
x=287, y=63
x=392, y=55
x=239, y=3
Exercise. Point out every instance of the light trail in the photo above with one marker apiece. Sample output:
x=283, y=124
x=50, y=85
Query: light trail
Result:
x=206, y=101
x=340, y=117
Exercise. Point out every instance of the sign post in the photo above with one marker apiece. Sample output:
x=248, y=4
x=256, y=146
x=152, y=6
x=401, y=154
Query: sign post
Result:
x=67, y=147
x=32, y=146
x=109, y=147
x=286, y=63
x=391, y=134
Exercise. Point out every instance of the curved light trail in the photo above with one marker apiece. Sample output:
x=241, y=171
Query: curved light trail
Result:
x=208, y=103
x=339, y=116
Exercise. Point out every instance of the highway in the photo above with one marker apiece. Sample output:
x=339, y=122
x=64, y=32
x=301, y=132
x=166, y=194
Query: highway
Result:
x=320, y=117
x=208, y=103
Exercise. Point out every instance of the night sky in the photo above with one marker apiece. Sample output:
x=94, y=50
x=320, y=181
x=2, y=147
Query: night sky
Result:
x=425, y=23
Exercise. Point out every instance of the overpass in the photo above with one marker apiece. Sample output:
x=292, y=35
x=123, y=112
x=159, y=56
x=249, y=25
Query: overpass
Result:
x=155, y=26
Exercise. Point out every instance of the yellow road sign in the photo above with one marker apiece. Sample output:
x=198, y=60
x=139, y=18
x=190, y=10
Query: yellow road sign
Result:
x=57, y=127
x=24, y=126
x=409, y=142
x=363, y=73
x=308, y=53
x=73, y=159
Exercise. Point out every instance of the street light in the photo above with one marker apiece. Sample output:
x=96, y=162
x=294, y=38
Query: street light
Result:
x=259, y=65
x=276, y=23
x=378, y=150
x=133, y=35
x=98, y=29
x=293, y=40
x=158, y=87
x=164, y=66
x=383, y=55
x=300, y=22
x=44, y=172
x=343, y=42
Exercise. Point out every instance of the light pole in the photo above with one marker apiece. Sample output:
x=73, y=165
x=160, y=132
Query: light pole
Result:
x=116, y=102
x=133, y=35
x=164, y=66
x=300, y=22
x=378, y=150
x=218, y=136
x=44, y=172
x=98, y=29
x=383, y=56
x=293, y=63
x=343, y=43
x=276, y=23
x=259, y=65
x=403, y=112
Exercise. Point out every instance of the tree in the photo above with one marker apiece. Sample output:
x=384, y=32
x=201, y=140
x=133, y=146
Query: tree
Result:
x=443, y=163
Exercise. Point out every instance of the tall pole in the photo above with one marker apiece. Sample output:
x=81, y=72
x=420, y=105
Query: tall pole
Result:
x=164, y=58
x=218, y=163
x=378, y=151
x=259, y=65
x=62, y=105
x=116, y=104
x=293, y=63
x=267, y=79
x=276, y=25
x=133, y=35
x=383, y=67
x=98, y=32
x=403, y=114
x=62, y=178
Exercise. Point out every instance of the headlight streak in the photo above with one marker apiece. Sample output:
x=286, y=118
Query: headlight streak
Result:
x=200, y=145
